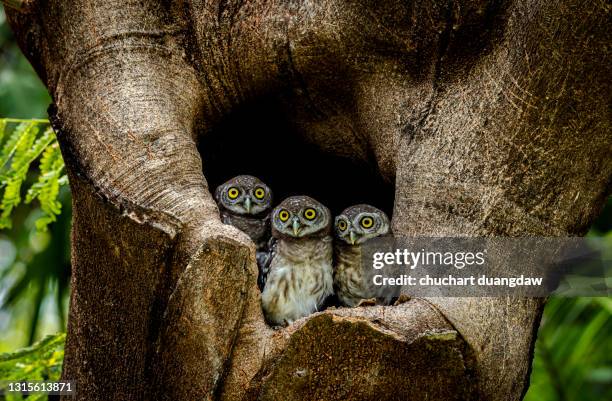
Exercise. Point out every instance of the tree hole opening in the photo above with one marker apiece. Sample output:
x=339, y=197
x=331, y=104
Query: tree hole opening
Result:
x=261, y=140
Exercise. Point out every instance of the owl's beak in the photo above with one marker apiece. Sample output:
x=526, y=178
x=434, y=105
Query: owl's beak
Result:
x=296, y=227
x=353, y=237
x=247, y=204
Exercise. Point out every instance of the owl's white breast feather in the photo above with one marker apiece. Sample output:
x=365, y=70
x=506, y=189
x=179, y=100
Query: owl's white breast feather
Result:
x=299, y=281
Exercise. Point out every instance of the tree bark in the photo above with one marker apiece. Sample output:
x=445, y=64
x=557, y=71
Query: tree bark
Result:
x=490, y=118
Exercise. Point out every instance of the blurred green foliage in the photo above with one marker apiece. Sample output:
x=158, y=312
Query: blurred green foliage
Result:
x=41, y=361
x=21, y=92
x=34, y=276
x=34, y=265
x=572, y=355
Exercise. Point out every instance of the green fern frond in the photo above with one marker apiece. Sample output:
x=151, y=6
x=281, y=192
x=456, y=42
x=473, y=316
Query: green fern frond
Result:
x=23, y=146
x=20, y=135
x=49, y=162
x=42, y=143
x=11, y=198
x=48, y=186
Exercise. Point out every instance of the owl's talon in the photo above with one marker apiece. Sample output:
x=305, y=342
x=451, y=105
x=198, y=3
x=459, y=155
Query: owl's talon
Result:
x=367, y=302
x=403, y=298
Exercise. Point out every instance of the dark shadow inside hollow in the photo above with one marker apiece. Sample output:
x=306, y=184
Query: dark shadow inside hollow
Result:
x=259, y=139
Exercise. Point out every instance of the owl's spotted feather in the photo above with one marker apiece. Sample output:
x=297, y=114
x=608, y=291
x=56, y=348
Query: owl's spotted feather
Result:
x=349, y=277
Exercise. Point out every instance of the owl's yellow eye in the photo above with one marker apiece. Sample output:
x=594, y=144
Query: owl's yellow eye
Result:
x=283, y=215
x=310, y=214
x=233, y=193
x=342, y=225
x=366, y=222
x=259, y=193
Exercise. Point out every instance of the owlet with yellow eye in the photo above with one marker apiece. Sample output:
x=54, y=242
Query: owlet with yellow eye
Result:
x=353, y=227
x=245, y=202
x=299, y=268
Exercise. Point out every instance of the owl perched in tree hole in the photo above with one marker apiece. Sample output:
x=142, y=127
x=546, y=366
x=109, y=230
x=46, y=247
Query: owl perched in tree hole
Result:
x=245, y=203
x=353, y=227
x=299, y=277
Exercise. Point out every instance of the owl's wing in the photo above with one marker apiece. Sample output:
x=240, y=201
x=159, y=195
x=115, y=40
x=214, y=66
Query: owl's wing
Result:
x=264, y=259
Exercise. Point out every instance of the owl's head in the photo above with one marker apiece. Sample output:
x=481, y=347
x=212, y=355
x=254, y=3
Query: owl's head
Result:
x=359, y=223
x=244, y=195
x=300, y=217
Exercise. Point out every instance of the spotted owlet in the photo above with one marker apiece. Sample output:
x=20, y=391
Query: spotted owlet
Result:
x=245, y=203
x=299, y=278
x=353, y=227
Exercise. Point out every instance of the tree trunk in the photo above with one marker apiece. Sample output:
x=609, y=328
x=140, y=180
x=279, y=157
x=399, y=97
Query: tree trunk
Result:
x=486, y=118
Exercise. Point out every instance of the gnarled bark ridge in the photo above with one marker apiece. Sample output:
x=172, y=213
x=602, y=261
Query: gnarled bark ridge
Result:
x=487, y=117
